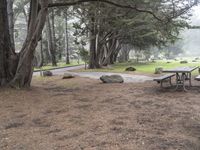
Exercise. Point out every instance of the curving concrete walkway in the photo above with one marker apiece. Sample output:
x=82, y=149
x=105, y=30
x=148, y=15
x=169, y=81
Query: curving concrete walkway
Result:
x=128, y=78
x=61, y=71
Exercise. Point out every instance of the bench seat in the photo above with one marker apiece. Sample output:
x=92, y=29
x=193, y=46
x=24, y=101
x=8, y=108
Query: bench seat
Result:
x=197, y=78
x=166, y=77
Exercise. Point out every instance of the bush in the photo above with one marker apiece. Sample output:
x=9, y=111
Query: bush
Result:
x=84, y=56
x=184, y=62
x=130, y=69
x=158, y=70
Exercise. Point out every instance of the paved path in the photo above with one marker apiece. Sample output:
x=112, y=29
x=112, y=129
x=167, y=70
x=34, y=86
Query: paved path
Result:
x=61, y=71
x=128, y=78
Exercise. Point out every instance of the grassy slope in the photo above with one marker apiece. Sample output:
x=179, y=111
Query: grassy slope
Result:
x=145, y=67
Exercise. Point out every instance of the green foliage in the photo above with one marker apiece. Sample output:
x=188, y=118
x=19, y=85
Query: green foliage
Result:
x=84, y=54
x=147, y=67
x=137, y=28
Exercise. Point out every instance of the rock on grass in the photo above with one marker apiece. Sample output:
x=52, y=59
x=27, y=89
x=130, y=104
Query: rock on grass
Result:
x=47, y=74
x=68, y=76
x=112, y=79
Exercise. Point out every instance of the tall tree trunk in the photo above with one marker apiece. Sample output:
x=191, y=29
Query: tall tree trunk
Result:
x=114, y=57
x=50, y=42
x=11, y=22
x=93, y=61
x=59, y=50
x=66, y=38
x=8, y=58
x=37, y=19
x=53, y=30
x=41, y=53
x=47, y=57
x=47, y=51
x=111, y=48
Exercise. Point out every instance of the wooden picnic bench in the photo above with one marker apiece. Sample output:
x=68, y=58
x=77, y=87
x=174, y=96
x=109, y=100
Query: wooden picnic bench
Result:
x=197, y=78
x=164, y=78
x=182, y=75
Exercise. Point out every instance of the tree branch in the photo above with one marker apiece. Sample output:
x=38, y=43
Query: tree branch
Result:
x=133, y=7
x=108, y=2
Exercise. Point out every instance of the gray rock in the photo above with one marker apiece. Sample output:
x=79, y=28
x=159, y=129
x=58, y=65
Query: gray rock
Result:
x=68, y=76
x=47, y=74
x=112, y=79
x=158, y=70
x=130, y=69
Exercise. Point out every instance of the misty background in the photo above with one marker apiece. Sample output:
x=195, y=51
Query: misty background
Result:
x=191, y=37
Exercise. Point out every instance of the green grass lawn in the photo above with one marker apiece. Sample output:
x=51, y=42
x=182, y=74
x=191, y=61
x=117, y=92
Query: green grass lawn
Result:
x=148, y=68
x=60, y=64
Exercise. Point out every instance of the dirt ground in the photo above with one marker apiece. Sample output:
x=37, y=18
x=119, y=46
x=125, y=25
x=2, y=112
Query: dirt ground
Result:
x=84, y=114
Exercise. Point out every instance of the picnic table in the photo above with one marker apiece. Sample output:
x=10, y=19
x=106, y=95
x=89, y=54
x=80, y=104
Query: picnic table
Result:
x=182, y=74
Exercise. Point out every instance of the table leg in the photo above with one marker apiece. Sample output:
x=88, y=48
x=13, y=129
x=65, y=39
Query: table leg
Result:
x=184, y=76
x=170, y=81
x=180, y=81
x=161, y=84
x=177, y=81
x=190, y=79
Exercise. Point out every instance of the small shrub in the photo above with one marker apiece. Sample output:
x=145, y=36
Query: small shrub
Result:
x=130, y=69
x=158, y=70
x=184, y=62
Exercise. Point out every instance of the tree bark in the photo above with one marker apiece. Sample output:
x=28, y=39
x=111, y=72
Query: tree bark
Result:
x=8, y=58
x=11, y=22
x=124, y=53
x=53, y=31
x=66, y=38
x=93, y=61
x=50, y=42
x=41, y=53
x=37, y=19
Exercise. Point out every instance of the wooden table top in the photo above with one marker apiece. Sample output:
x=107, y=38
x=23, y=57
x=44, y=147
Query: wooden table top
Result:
x=181, y=69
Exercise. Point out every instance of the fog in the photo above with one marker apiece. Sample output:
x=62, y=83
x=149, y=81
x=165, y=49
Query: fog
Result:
x=191, y=38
